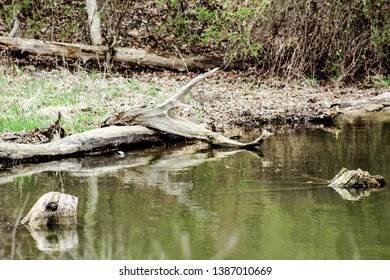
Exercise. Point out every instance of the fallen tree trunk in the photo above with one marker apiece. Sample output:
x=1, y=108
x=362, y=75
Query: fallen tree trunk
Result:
x=141, y=125
x=120, y=54
x=107, y=138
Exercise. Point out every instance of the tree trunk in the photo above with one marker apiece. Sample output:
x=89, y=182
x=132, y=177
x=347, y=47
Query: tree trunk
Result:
x=357, y=179
x=95, y=30
x=120, y=54
x=53, y=209
x=16, y=30
x=355, y=184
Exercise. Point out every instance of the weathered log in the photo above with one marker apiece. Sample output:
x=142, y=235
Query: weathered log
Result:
x=89, y=141
x=162, y=118
x=52, y=210
x=120, y=54
x=374, y=104
x=357, y=179
x=355, y=184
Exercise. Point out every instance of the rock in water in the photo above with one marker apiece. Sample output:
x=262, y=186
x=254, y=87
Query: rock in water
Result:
x=53, y=210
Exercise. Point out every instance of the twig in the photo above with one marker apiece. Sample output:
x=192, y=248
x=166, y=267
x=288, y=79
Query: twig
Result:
x=182, y=58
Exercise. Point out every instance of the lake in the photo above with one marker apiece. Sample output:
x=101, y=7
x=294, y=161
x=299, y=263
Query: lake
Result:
x=188, y=202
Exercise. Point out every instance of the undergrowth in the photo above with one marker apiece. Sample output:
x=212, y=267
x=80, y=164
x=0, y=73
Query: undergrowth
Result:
x=331, y=40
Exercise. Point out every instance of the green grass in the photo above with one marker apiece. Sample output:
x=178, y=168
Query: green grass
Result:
x=311, y=81
x=32, y=100
x=383, y=81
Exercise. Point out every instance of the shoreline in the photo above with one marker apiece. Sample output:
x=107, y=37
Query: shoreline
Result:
x=220, y=102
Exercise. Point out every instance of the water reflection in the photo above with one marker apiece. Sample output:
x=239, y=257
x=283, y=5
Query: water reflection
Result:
x=354, y=194
x=60, y=240
x=194, y=203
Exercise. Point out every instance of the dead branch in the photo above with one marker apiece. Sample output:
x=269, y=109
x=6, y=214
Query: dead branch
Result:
x=119, y=54
x=162, y=118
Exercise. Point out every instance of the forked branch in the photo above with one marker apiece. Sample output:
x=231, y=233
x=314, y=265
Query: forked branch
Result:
x=161, y=117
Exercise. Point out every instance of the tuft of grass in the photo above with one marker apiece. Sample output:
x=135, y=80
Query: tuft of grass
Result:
x=311, y=81
x=383, y=81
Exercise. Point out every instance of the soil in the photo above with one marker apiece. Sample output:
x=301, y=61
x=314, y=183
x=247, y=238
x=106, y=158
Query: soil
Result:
x=229, y=99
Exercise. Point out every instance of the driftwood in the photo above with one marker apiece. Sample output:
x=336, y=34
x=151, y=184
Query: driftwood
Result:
x=107, y=138
x=357, y=179
x=119, y=54
x=374, y=104
x=355, y=184
x=52, y=210
x=142, y=126
x=162, y=118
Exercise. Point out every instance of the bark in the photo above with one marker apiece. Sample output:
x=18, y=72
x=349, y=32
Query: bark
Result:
x=95, y=30
x=119, y=54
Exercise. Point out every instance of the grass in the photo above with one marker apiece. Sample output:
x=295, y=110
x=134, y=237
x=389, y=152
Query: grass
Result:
x=32, y=100
x=310, y=81
x=383, y=81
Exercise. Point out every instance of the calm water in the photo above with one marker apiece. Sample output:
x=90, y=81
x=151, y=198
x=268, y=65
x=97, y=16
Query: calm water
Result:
x=175, y=203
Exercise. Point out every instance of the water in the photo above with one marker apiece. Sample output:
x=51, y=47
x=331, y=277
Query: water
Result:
x=185, y=203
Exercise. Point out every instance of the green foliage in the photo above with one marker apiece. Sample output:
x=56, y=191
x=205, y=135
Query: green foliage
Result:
x=133, y=84
x=383, y=81
x=227, y=26
x=47, y=20
x=153, y=91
